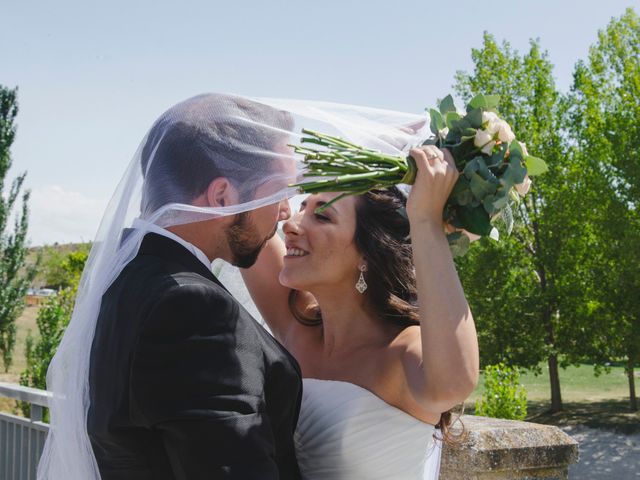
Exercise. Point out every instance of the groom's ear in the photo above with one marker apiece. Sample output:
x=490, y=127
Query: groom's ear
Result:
x=221, y=193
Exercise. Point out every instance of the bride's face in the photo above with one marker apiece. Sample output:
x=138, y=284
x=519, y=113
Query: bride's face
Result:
x=321, y=250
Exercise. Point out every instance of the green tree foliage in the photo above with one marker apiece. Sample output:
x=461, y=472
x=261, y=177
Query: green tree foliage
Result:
x=513, y=285
x=53, y=318
x=504, y=396
x=14, y=277
x=605, y=114
x=54, y=268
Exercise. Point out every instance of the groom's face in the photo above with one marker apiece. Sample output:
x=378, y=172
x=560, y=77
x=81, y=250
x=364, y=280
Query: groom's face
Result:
x=250, y=231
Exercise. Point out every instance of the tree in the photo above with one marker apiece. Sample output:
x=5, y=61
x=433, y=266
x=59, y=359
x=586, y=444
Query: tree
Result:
x=14, y=277
x=52, y=320
x=606, y=126
x=56, y=264
x=512, y=286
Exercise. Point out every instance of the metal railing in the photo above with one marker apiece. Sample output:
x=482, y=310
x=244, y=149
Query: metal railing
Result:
x=22, y=439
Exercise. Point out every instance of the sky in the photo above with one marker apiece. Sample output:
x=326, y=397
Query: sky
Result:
x=93, y=76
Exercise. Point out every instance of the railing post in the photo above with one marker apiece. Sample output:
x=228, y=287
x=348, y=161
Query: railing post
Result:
x=36, y=413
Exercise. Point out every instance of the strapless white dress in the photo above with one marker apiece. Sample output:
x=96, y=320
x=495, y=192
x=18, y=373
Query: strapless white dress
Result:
x=346, y=432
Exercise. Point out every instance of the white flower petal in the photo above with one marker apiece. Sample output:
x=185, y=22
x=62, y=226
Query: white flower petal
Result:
x=488, y=148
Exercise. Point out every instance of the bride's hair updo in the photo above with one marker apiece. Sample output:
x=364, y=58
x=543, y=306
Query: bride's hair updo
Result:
x=382, y=237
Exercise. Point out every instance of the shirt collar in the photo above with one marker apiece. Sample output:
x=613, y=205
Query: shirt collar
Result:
x=140, y=224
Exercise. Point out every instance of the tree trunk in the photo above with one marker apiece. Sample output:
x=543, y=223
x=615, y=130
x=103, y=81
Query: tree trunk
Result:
x=633, y=400
x=554, y=379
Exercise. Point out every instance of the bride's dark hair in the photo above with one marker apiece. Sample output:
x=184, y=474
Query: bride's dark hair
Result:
x=382, y=236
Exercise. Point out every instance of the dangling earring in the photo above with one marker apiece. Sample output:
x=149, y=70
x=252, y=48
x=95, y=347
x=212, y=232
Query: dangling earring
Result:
x=361, y=285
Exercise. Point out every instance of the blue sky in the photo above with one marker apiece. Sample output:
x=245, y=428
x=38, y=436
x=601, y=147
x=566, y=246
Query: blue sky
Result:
x=93, y=76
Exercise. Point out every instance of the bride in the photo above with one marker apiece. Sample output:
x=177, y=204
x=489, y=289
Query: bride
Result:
x=378, y=322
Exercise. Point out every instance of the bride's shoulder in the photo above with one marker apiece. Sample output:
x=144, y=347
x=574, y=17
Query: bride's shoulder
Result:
x=407, y=338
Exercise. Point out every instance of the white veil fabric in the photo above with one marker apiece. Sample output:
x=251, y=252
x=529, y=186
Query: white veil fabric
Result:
x=208, y=136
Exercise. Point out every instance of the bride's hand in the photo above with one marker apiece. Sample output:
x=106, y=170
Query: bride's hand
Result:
x=436, y=176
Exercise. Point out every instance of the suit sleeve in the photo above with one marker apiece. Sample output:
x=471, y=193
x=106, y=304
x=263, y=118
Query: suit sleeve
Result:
x=197, y=379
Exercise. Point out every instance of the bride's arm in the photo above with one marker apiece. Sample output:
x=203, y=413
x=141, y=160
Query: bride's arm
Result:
x=442, y=368
x=271, y=298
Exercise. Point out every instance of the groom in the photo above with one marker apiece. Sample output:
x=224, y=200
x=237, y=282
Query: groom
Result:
x=183, y=383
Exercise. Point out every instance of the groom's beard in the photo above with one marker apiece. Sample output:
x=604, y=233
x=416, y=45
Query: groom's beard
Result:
x=244, y=241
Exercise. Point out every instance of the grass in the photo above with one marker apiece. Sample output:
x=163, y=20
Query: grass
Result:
x=597, y=402
x=577, y=384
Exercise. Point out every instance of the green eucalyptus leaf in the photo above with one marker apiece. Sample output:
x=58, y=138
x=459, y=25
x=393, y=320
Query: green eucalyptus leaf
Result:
x=514, y=174
x=458, y=243
x=476, y=102
x=481, y=187
x=494, y=204
x=535, y=165
x=471, y=167
x=451, y=118
x=487, y=203
x=461, y=193
x=497, y=158
x=492, y=101
x=515, y=150
x=437, y=122
x=475, y=220
x=447, y=105
x=484, y=171
x=474, y=117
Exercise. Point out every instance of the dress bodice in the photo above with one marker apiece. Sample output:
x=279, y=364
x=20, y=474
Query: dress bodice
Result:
x=347, y=432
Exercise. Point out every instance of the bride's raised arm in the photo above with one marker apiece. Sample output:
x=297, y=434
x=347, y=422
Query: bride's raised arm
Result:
x=271, y=298
x=443, y=370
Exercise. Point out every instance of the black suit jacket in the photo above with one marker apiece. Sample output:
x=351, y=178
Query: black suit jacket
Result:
x=184, y=384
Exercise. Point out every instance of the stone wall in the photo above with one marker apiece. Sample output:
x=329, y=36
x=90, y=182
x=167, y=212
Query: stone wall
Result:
x=493, y=449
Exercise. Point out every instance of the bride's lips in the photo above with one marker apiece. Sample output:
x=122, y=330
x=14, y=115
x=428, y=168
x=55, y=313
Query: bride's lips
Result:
x=295, y=252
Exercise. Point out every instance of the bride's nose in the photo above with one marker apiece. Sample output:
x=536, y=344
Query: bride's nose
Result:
x=292, y=225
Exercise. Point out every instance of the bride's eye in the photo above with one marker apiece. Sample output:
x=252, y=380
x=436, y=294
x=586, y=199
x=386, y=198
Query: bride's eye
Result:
x=321, y=218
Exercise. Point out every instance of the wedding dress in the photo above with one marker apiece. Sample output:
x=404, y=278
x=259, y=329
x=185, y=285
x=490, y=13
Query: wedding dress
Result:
x=347, y=432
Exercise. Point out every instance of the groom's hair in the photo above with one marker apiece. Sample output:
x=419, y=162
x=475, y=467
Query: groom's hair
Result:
x=207, y=137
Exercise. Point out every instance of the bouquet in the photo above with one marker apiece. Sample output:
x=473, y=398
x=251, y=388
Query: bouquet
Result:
x=494, y=168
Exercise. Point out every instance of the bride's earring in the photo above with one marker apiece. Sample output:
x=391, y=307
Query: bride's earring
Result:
x=361, y=285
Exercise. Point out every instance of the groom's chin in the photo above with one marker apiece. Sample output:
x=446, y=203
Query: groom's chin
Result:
x=247, y=259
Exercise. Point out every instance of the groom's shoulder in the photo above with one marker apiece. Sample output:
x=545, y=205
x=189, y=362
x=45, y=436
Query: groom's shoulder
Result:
x=154, y=277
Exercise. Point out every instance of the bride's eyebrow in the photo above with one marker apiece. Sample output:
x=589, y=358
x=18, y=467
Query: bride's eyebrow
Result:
x=318, y=204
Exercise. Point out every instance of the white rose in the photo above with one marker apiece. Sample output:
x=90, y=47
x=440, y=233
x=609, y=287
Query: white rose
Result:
x=482, y=138
x=488, y=148
x=489, y=117
x=443, y=132
x=523, y=188
x=505, y=134
x=493, y=127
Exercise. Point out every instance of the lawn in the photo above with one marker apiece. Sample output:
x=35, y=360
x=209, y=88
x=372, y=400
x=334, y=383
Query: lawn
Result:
x=577, y=384
x=597, y=402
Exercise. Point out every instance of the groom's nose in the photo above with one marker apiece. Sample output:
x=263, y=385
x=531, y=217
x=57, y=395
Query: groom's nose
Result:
x=285, y=210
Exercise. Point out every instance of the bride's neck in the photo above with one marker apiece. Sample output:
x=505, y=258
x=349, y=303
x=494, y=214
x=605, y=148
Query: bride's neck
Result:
x=347, y=322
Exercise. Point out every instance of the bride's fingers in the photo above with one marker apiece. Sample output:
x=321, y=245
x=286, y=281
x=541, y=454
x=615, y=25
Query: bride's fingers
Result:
x=421, y=158
x=434, y=155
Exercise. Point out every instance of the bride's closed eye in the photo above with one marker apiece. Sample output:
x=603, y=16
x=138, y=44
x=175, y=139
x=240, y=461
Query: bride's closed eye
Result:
x=318, y=216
